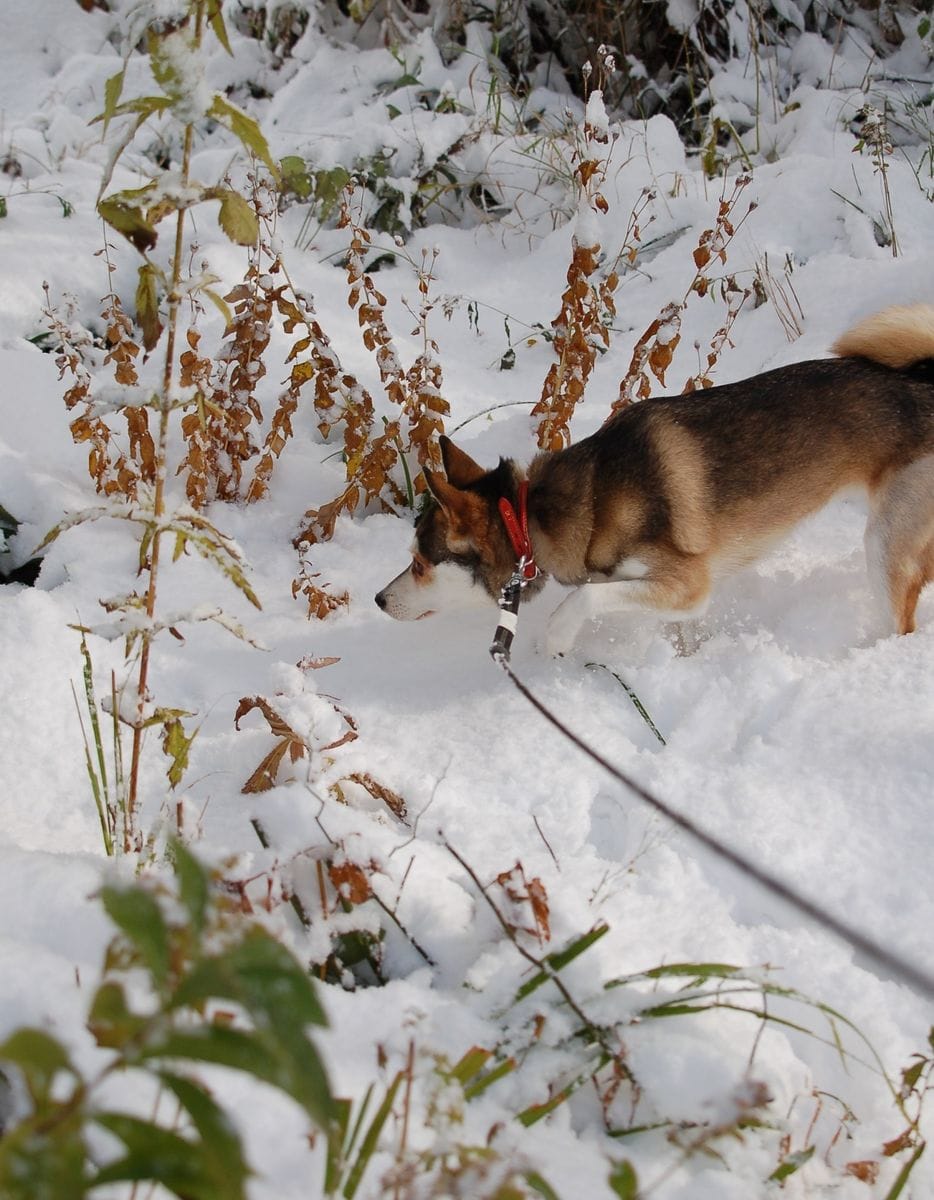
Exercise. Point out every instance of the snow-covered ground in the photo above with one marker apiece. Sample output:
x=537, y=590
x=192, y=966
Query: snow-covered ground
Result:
x=797, y=730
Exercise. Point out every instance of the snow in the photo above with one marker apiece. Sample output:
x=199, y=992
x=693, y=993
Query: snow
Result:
x=797, y=729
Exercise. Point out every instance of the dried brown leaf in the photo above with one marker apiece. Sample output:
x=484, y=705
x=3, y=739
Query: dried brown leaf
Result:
x=351, y=881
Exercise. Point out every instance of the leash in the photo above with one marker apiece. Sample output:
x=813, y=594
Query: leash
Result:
x=517, y=527
x=898, y=967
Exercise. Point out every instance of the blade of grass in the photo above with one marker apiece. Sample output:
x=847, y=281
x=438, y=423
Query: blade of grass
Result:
x=899, y=1185
x=637, y=703
x=369, y=1144
x=94, y=780
x=561, y=958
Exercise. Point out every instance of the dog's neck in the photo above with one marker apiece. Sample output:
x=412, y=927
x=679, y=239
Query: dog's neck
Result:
x=560, y=512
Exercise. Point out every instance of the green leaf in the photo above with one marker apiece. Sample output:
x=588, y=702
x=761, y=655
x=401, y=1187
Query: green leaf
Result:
x=697, y=971
x=221, y=306
x=176, y=746
x=791, y=1163
x=129, y=220
x=245, y=129
x=471, y=1064
x=222, y=1147
x=147, y=306
x=912, y=1074
x=43, y=1161
x=328, y=188
x=337, y=1142
x=623, y=1181
x=139, y=917
x=164, y=62
x=40, y=1057
x=259, y=973
x=216, y=21
x=194, y=885
x=209, y=543
x=111, y=1021
x=536, y=1112
x=113, y=89
x=288, y=1063
x=506, y=1067
x=539, y=1184
x=295, y=176
x=238, y=219
x=184, y=1168
x=902, y=1178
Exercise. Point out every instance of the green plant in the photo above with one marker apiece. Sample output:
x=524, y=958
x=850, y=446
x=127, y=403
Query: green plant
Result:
x=874, y=136
x=135, y=480
x=195, y=959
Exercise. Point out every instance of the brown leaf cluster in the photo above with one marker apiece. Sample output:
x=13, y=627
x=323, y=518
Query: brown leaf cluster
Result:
x=528, y=896
x=579, y=329
x=288, y=741
x=735, y=297
x=371, y=457
x=418, y=391
x=582, y=327
x=115, y=470
x=654, y=351
x=320, y=600
x=219, y=430
x=425, y=406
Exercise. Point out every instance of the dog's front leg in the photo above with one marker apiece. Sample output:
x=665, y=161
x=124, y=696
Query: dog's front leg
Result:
x=584, y=604
x=681, y=589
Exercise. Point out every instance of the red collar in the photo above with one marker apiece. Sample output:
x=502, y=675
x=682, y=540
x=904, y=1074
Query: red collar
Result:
x=518, y=529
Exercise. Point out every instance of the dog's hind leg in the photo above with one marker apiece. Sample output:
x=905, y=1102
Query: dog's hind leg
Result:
x=675, y=586
x=900, y=539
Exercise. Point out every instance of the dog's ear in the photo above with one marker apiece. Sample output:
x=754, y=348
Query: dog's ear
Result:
x=449, y=496
x=438, y=486
x=462, y=509
x=459, y=467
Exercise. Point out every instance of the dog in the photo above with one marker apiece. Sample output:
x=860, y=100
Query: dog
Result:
x=674, y=493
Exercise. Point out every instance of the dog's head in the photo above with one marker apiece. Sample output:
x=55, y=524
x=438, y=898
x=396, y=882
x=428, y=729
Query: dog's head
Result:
x=462, y=555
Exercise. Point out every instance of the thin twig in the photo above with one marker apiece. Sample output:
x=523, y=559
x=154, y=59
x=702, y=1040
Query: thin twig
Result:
x=402, y=929
x=547, y=843
x=540, y=964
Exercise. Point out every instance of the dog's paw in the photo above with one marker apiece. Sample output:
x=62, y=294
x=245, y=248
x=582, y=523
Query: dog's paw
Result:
x=560, y=637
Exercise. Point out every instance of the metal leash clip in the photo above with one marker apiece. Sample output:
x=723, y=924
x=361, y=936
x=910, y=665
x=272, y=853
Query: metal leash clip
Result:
x=509, y=612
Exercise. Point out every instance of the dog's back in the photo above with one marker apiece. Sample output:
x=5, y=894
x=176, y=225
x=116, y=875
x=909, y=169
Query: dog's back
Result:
x=721, y=474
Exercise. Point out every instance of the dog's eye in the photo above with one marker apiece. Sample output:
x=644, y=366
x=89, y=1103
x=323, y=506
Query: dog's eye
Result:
x=418, y=568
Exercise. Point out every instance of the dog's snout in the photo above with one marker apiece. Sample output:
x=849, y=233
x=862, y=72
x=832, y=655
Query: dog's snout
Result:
x=380, y=599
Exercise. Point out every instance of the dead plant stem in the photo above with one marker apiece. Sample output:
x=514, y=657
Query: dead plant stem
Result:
x=131, y=839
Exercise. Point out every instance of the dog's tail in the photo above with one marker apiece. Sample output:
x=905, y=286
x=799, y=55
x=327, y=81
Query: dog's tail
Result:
x=896, y=337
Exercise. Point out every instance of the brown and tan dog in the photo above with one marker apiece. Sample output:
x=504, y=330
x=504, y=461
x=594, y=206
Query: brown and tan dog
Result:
x=674, y=493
